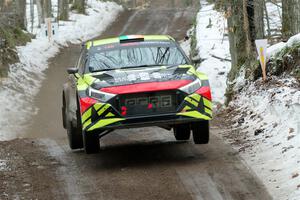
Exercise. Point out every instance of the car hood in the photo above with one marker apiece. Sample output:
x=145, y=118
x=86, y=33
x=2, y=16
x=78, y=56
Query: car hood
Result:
x=143, y=75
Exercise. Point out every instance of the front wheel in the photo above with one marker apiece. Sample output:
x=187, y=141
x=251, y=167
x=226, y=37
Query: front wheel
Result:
x=74, y=133
x=74, y=137
x=200, y=132
x=91, y=142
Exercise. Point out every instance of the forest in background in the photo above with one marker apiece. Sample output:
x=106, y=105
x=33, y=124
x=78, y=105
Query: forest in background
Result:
x=248, y=20
x=15, y=30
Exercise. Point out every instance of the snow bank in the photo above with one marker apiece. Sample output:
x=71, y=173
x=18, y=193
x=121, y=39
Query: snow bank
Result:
x=24, y=79
x=268, y=116
x=276, y=48
x=212, y=43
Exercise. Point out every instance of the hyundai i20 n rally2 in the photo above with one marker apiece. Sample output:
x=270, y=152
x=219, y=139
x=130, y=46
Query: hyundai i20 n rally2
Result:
x=134, y=81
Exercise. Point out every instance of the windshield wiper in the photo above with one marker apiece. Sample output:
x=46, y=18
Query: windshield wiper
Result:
x=140, y=66
x=101, y=70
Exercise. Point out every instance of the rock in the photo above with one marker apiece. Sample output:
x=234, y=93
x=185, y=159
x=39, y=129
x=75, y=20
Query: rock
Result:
x=295, y=175
x=285, y=149
x=258, y=131
x=241, y=120
x=290, y=137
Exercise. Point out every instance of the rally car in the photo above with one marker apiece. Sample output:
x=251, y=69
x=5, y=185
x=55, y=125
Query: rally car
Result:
x=134, y=81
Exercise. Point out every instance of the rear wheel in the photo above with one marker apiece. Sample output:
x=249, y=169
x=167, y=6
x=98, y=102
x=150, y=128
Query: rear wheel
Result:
x=91, y=142
x=182, y=132
x=200, y=132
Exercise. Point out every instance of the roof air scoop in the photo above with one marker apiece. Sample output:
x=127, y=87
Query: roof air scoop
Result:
x=131, y=38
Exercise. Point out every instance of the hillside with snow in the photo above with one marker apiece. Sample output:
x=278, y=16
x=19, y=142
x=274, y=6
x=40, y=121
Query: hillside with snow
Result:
x=24, y=79
x=263, y=118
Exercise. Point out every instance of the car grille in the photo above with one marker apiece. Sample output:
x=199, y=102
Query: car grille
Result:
x=147, y=104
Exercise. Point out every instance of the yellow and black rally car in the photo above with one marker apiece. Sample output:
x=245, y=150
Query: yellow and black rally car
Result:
x=134, y=81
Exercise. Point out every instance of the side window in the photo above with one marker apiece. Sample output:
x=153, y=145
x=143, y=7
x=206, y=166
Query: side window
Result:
x=81, y=62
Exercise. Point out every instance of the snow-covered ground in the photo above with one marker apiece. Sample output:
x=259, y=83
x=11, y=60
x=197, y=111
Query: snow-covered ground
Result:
x=24, y=78
x=267, y=116
x=212, y=43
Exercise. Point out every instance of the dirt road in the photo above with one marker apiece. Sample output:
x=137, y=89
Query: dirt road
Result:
x=134, y=164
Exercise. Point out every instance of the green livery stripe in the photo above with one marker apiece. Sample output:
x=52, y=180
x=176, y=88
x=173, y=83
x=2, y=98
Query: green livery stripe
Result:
x=192, y=101
x=201, y=75
x=104, y=122
x=125, y=37
x=195, y=114
x=102, y=42
x=187, y=108
x=103, y=109
x=193, y=71
x=196, y=97
x=97, y=106
x=87, y=114
x=157, y=37
x=81, y=84
x=89, y=79
x=86, y=124
x=207, y=103
x=110, y=115
x=208, y=111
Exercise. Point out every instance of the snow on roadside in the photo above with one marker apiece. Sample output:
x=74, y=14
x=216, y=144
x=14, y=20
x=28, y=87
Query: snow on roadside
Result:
x=267, y=116
x=276, y=48
x=212, y=43
x=24, y=79
x=267, y=120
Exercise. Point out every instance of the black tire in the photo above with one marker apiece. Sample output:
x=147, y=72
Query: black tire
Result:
x=74, y=137
x=74, y=133
x=63, y=111
x=200, y=132
x=182, y=132
x=91, y=142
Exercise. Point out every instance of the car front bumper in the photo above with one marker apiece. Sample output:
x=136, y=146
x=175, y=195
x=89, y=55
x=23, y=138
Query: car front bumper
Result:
x=104, y=116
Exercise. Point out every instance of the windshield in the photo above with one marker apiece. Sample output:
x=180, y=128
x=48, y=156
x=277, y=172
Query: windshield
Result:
x=124, y=56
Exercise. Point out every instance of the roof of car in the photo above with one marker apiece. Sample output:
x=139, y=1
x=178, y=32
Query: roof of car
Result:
x=128, y=38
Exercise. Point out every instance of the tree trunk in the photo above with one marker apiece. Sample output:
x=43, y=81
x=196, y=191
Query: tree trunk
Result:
x=40, y=12
x=31, y=15
x=63, y=9
x=20, y=7
x=44, y=8
x=290, y=18
x=267, y=19
x=47, y=8
x=259, y=19
x=79, y=5
x=237, y=36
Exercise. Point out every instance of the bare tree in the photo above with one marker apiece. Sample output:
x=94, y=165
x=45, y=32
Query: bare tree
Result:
x=63, y=9
x=79, y=5
x=290, y=18
x=44, y=8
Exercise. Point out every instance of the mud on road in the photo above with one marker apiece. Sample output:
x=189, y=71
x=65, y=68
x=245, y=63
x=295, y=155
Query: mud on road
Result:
x=145, y=163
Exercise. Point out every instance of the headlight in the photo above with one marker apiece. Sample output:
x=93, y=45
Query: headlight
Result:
x=101, y=96
x=192, y=87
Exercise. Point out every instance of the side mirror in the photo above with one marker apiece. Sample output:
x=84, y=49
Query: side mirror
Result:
x=72, y=70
